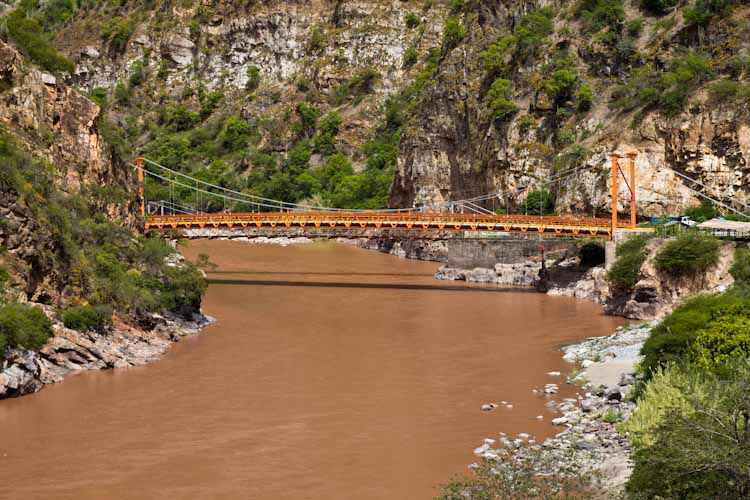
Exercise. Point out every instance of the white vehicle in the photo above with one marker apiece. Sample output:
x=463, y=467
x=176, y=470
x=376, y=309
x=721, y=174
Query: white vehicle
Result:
x=687, y=221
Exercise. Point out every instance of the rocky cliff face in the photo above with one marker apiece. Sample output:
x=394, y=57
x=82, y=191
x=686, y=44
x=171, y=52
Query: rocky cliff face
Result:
x=304, y=50
x=456, y=149
x=656, y=295
x=55, y=122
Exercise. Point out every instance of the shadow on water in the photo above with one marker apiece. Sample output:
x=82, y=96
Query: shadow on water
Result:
x=313, y=273
x=383, y=286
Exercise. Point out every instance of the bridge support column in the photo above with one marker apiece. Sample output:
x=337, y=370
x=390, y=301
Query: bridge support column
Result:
x=615, y=158
x=610, y=253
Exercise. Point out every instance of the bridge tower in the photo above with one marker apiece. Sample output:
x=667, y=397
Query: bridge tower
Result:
x=615, y=157
x=141, y=190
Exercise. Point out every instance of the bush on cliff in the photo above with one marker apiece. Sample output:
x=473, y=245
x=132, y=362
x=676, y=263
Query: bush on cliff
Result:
x=87, y=318
x=30, y=39
x=690, y=254
x=625, y=272
x=694, y=442
x=23, y=326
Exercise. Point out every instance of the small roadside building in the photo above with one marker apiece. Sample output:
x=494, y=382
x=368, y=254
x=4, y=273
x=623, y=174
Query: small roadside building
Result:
x=722, y=228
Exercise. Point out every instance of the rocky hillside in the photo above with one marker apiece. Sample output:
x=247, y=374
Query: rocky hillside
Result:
x=536, y=88
x=372, y=102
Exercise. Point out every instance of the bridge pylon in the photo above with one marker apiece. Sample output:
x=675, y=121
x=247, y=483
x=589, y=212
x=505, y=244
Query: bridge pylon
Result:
x=615, y=157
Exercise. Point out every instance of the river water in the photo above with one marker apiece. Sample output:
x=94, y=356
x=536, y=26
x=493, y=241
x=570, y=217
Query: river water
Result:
x=332, y=373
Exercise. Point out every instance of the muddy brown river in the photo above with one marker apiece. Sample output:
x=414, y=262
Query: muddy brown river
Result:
x=332, y=373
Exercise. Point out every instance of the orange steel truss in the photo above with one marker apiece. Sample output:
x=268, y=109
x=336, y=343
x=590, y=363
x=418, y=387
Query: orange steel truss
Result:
x=554, y=226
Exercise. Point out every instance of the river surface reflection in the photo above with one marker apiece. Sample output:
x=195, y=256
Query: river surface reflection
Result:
x=332, y=373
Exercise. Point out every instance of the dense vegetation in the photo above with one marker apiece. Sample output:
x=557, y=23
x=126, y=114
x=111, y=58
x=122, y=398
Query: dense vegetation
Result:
x=691, y=433
x=97, y=262
x=690, y=254
x=631, y=254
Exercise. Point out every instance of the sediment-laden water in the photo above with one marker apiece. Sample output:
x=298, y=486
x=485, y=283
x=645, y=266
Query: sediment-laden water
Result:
x=332, y=373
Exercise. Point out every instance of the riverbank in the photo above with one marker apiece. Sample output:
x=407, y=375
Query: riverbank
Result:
x=590, y=443
x=26, y=372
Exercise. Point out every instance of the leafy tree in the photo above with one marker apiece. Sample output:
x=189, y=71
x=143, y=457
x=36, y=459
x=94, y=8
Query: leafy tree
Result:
x=498, y=58
x=328, y=129
x=236, y=134
x=499, y=98
x=253, y=78
x=308, y=118
x=533, y=29
x=23, y=326
x=700, y=446
x=561, y=86
x=453, y=32
x=539, y=202
x=524, y=473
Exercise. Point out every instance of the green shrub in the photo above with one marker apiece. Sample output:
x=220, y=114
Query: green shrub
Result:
x=23, y=326
x=702, y=212
x=316, y=40
x=99, y=96
x=499, y=99
x=673, y=339
x=694, y=441
x=498, y=58
x=539, y=202
x=625, y=271
x=236, y=134
x=122, y=93
x=601, y=13
x=740, y=270
x=178, y=117
x=726, y=336
x=136, y=74
x=634, y=26
x=690, y=254
x=533, y=29
x=31, y=40
x=117, y=32
x=661, y=395
x=412, y=20
x=253, y=78
x=87, y=318
x=561, y=86
x=668, y=90
x=410, y=57
x=453, y=32
x=584, y=97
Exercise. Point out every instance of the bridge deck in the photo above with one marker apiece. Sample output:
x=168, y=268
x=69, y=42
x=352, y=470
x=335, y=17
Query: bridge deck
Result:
x=559, y=226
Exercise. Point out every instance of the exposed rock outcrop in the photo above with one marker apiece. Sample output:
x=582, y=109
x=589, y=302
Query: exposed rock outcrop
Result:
x=454, y=148
x=656, y=294
x=55, y=122
x=25, y=372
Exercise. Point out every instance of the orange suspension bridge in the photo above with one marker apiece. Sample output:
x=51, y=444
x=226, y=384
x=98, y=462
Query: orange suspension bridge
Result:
x=269, y=214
